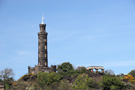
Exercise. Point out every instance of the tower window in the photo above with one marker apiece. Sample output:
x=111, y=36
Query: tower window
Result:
x=45, y=55
x=39, y=55
x=45, y=47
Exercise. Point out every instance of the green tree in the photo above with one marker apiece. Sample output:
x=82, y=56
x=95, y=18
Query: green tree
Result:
x=48, y=79
x=80, y=82
x=6, y=76
x=82, y=69
x=65, y=67
x=22, y=85
x=41, y=79
x=112, y=82
x=64, y=85
x=7, y=86
x=132, y=73
x=92, y=84
x=33, y=86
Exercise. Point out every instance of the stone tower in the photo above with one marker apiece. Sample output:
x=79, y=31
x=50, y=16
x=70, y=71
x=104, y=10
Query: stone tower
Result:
x=42, y=46
x=42, y=53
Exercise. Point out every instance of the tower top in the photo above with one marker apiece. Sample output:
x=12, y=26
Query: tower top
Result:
x=42, y=19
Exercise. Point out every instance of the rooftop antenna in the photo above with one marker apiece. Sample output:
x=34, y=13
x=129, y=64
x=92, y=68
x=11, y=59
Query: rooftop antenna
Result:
x=42, y=19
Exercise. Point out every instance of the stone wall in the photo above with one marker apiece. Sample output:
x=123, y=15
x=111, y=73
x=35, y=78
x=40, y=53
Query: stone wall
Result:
x=40, y=68
x=2, y=86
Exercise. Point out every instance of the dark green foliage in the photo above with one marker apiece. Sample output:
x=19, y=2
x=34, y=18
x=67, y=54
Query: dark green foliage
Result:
x=64, y=85
x=112, y=82
x=1, y=81
x=68, y=78
x=72, y=73
x=8, y=82
x=132, y=73
x=83, y=81
x=6, y=74
x=33, y=86
x=65, y=67
x=48, y=79
x=121, y=75
x=6, y=77
x=80, y=82
x=83, y=70
x=28, y=77
x=22, y=86
x=6, y=86
x=91, y=83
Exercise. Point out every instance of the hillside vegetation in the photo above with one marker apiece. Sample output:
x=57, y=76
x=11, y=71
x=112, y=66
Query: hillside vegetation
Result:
x=67, y=78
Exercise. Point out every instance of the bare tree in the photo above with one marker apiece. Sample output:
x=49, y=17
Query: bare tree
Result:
x=110, y=72
x=6, y=74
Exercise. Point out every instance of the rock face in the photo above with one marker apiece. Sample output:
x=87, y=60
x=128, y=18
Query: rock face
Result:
x=42, y=53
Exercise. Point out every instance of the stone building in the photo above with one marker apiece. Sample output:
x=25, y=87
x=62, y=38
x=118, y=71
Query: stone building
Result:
x=2, y=86
x=42, y=53
x=91, y=68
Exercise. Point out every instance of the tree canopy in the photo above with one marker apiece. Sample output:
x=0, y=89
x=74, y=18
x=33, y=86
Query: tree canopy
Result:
x=6, y=74
x=112, y=82
x=65, y=67
x=132, y=73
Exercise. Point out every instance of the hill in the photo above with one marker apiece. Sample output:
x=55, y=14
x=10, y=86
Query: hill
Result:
x=67, y=78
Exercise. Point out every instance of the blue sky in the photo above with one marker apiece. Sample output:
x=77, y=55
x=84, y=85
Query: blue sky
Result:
x=82, y=32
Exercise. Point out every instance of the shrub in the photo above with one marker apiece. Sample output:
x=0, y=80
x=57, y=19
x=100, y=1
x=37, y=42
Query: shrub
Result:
x=109, y=82
x=80, y=82
x=91, y=83
x=129, y=78
x=65, y=67
x=48, y=79
x=64, y=85
x=132, y=73
x=6, y=86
